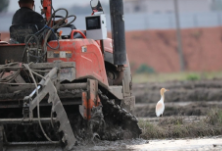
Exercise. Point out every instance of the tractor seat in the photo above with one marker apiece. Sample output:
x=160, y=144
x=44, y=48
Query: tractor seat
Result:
x=19, y=32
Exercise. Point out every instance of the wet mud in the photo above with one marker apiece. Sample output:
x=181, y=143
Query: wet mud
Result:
x=200, y=144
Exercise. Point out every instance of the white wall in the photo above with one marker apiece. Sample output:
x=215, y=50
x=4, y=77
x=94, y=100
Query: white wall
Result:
x=166, y=6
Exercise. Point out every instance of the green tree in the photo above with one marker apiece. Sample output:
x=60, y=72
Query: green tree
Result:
x=145, y=69
x=3, y=5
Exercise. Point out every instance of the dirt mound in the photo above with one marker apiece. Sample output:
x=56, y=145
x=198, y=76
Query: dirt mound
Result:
x=5, y=36
x=158, y=49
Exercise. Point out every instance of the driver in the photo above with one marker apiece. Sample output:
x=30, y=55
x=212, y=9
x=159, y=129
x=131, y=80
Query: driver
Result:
x=26, y=15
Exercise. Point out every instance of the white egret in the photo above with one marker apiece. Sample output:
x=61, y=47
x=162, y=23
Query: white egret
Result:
x=160, y=104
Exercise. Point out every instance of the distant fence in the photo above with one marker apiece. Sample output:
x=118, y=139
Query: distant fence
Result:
x=142, y=21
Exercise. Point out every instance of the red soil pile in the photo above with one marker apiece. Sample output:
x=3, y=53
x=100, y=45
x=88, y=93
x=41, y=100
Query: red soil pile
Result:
x=4, y=36
x=157, y=49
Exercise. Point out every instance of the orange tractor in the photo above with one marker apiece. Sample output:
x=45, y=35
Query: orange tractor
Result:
x=69, y=89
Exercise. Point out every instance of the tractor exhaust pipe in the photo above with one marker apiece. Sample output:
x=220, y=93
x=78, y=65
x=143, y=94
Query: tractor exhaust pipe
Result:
x=118, y=31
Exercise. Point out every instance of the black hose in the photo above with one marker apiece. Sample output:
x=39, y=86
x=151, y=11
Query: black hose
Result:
x=46, y=32
x=55, y=27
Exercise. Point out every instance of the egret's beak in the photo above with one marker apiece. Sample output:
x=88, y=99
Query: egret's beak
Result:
x=167, y=90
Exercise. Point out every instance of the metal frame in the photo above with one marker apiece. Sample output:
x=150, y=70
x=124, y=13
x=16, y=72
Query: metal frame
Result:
x=90, y=99
x=48, y=87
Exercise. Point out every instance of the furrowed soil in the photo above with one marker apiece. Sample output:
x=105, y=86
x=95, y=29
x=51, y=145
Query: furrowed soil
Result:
x=185, y=98
x=192, y=109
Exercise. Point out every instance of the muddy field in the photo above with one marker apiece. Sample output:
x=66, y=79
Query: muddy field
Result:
x=193, y=109
x=185, y=98
x=192, y=120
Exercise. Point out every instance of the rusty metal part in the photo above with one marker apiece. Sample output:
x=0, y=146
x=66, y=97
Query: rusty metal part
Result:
x=84, y=106
x=119, y=78
x=90, y=99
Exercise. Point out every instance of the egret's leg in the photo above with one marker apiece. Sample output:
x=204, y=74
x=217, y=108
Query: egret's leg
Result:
x=161, y=116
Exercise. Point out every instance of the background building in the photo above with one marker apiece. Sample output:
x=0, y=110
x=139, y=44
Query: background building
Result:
x=166, y=6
